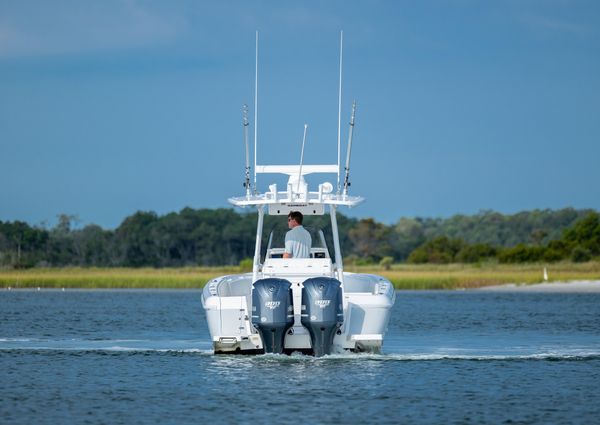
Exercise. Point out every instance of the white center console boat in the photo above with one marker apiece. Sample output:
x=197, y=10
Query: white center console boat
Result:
x=310, y=304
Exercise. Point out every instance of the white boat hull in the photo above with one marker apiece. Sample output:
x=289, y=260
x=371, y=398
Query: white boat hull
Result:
x=367, y=304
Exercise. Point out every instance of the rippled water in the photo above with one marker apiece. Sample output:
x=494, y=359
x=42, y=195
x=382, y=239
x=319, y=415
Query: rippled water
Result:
x=449, y=357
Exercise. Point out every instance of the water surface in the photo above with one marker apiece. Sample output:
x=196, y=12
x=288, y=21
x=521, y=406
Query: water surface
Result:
x=449, y=357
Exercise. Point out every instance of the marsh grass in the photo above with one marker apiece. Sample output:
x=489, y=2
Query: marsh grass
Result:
x=403, y=276
x=464, y=276
x=106, y=278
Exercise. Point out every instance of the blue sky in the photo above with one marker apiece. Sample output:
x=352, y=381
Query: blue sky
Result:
x=111, y=107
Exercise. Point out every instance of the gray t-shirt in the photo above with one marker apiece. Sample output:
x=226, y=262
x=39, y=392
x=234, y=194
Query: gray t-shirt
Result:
x=298, y=242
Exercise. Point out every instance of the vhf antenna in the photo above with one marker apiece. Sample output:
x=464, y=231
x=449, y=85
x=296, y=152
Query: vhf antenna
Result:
x=340, y=109
x=301, y=158
x=255, y=106
x=245, y=123
x=347, y=175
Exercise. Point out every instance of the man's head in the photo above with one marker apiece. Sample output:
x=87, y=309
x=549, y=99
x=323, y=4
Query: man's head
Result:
x=294, y=219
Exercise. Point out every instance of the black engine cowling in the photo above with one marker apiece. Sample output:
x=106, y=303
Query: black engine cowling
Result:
x=322, y=311
x=272, y=312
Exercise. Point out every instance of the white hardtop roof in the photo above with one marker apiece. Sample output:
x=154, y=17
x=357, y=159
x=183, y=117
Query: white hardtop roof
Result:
x=294, y=170
x=297, y=197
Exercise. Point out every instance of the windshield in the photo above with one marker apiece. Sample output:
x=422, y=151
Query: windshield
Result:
x=275, y=245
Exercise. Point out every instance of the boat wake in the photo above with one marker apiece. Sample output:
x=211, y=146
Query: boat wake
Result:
x=106, y=345
x=567, y=355
x=204, y=348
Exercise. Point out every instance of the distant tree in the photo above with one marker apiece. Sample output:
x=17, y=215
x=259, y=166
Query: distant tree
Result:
x=522, y=254
x=409, y=233
x=475, y=253
x=21, y=245
x=440, y=250
x=585, y=234
x=556, y=250
x=371, y=240
x=580, y=254
x=65, y=221
x=93, y=246
x=136, y=242
x=537, y=236
x=386, y=262
x=61, y=247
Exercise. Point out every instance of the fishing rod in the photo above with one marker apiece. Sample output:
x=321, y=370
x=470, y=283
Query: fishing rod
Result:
x=301, y=158
x=245, y=124
x=351, y=133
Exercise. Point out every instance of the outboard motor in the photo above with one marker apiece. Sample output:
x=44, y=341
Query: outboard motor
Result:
x=272, y=312
x=322, y=311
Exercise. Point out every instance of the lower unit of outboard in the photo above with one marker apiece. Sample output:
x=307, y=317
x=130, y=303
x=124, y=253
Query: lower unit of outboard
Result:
x=322, y=312
x=272, y=312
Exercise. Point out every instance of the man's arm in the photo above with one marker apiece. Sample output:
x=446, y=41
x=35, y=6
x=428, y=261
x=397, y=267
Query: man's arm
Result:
x=288, y=247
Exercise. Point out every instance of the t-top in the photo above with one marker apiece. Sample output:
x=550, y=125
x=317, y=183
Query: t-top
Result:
x=298, y=242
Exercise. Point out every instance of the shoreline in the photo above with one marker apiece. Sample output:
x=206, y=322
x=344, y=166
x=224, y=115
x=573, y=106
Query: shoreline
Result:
x=490, y=276
x=576, y=286
x=572, y=287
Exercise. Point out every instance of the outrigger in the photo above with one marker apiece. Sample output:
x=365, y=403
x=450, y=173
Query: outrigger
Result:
x=311, y=304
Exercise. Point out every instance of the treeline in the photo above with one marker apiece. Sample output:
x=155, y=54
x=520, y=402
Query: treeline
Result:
x=211, y=237
x=578, y=243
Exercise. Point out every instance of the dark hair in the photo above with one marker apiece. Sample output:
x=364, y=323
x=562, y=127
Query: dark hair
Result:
x=296, y=215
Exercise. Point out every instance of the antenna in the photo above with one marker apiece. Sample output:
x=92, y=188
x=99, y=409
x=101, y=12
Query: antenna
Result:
x=255, y=105
x=340, y=108
x=301, y=158
x=245, y=123
x=350, y=134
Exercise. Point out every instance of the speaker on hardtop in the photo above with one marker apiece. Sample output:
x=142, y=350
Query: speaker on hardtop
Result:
x=322, y=311
x=272, y=312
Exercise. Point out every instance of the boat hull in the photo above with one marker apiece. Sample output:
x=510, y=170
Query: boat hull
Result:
x=367, y=303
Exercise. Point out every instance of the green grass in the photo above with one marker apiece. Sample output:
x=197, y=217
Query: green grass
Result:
x=403, y=276
x=187, y=277
x=455, y=276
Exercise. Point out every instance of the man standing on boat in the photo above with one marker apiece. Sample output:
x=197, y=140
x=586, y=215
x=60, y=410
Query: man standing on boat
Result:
x=297, y=239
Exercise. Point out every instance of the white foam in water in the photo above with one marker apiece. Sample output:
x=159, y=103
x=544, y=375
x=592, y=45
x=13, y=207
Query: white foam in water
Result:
x=449, y=354
x=537, y=356
x=15, y=339
x=125, y=345
x=411, y=353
